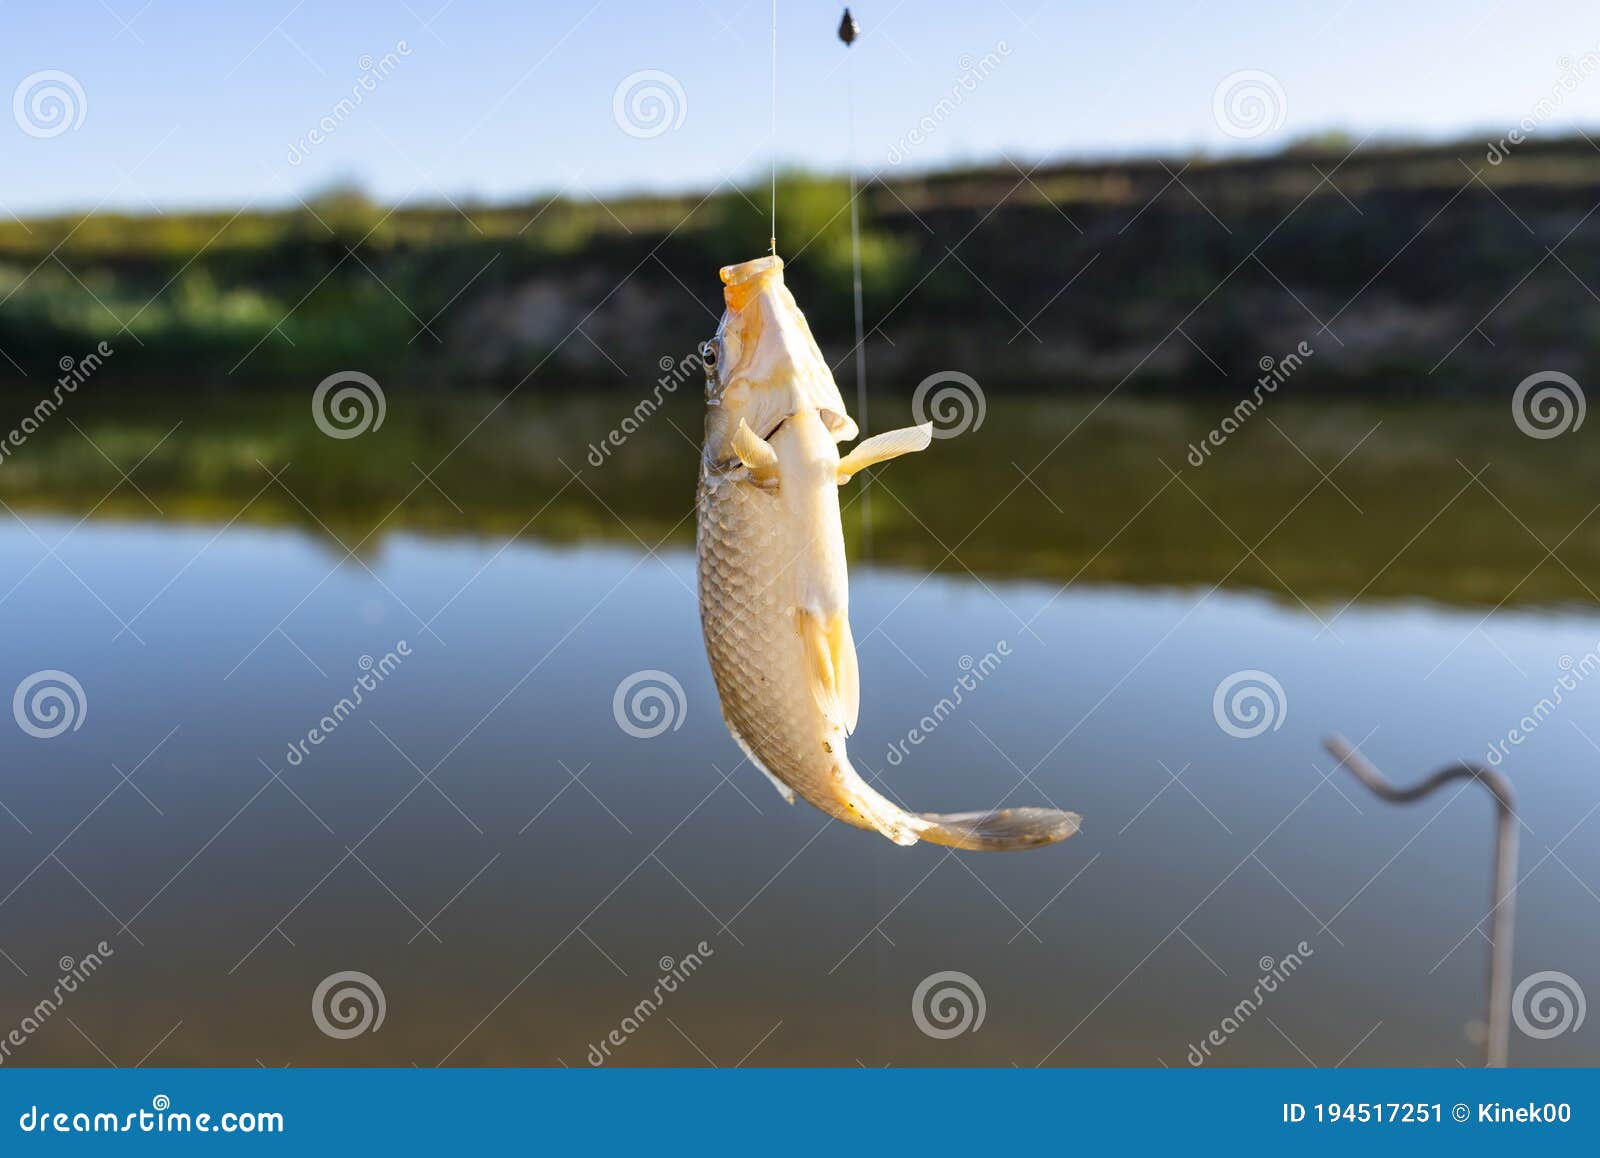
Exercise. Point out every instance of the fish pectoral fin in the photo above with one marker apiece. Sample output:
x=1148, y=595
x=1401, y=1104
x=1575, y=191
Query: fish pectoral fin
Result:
x=831, y=665
x=755, y=453
x=882, y=447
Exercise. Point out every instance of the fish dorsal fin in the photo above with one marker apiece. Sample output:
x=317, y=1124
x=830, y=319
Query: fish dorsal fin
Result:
x=831, y=666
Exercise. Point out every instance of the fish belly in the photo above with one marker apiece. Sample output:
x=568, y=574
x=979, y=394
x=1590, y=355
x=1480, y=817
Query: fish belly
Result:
x=751, y=564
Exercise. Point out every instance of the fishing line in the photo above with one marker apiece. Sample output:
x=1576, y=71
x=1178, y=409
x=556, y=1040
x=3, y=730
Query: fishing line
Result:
x=772, y=241
x=848, y=31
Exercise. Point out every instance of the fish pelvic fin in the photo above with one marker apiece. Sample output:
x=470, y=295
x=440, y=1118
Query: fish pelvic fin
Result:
x=882, y=447
x=1001, y=830
x=756, y=453
x=831, y=664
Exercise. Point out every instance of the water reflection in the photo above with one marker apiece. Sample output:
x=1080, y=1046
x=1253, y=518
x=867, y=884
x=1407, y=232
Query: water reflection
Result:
x=512, y=868
x=1307, y=502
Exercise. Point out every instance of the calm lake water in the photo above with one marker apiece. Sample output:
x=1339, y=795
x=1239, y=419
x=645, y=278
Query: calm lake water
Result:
x=515, y=871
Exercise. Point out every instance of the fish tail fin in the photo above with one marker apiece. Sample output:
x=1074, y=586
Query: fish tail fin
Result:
x=999, y=830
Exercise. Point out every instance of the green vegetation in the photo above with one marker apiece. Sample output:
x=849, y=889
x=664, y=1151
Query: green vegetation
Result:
x=342, y=280
x=1075, y=277
x=1400, y=517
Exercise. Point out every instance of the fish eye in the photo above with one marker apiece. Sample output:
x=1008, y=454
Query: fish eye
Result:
x=708, y=363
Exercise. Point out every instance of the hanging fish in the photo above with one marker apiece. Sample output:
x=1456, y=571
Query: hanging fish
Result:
x=774, y=599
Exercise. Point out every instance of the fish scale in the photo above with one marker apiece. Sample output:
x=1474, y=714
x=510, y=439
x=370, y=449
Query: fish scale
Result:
x=747, y=585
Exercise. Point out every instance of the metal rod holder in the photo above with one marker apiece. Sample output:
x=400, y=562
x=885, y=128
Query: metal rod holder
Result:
x=1504, y=895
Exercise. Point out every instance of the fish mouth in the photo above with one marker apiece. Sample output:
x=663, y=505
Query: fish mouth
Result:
x=748, y=278
x=745, y=270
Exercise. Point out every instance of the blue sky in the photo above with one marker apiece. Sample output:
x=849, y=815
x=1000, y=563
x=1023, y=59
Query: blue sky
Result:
x=199, y=104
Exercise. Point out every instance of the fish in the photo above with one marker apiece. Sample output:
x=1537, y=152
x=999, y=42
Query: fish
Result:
x=773, y=580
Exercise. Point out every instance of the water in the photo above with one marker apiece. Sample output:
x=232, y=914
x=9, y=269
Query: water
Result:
x=512, y=868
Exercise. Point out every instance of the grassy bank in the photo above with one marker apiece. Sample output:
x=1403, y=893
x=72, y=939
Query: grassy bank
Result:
x=1411, y=271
